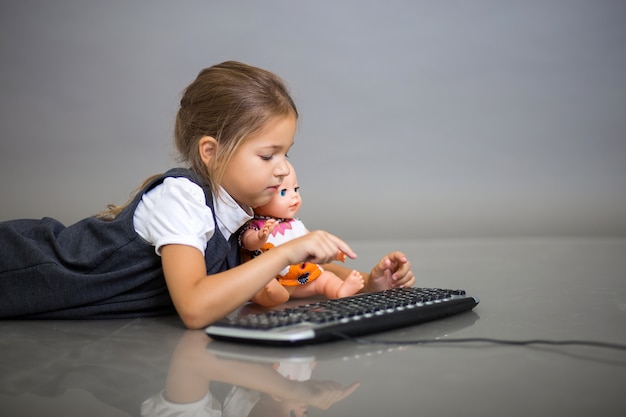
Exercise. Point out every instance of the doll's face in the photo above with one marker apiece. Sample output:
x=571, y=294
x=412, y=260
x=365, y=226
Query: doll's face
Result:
x=286, y=201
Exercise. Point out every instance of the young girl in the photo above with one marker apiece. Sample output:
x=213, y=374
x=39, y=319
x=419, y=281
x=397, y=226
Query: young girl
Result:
x=174, y=245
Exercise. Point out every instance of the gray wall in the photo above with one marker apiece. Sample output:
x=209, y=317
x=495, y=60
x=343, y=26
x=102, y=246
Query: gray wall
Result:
x=419, y=118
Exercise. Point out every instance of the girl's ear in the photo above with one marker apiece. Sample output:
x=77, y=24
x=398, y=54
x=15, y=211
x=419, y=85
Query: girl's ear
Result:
x=207, y=146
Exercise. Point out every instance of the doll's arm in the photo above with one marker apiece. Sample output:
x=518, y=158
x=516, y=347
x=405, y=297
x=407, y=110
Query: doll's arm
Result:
x=253, y=239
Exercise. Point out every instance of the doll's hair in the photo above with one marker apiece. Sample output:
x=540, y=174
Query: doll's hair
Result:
x=229, y=102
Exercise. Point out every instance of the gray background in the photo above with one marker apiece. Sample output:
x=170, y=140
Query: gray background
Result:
x=420, y=119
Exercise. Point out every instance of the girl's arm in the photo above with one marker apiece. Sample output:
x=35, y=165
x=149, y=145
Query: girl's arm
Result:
x=202, y=299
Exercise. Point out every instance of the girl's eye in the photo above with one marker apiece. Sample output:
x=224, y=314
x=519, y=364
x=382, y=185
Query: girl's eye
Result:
x=283, y=192
x=266, y=157
x=296, y=190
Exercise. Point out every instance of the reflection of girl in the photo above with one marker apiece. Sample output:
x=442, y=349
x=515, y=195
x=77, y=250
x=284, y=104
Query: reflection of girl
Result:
x=258, y=390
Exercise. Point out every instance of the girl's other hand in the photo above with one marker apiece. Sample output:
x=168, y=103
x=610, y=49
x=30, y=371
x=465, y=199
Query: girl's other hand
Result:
x=393, y=270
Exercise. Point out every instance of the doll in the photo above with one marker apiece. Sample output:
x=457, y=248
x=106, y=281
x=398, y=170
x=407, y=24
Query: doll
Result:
x=275, y=223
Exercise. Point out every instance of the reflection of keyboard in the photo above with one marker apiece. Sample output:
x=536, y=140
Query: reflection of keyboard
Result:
x=350, y=316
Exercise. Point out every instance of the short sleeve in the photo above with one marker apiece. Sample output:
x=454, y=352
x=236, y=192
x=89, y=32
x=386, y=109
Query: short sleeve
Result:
x=159, y=406
x=175, y=212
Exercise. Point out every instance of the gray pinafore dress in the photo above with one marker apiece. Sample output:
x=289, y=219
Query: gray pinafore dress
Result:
x=93, y=269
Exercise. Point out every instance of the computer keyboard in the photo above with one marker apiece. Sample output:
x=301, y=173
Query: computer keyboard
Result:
x=358, y=315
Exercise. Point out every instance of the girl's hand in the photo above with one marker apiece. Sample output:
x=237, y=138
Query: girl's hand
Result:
x=321, y=394
x=318, y=247
x=393, y=270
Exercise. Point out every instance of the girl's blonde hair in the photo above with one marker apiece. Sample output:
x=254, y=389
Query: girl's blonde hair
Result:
x=229, y=102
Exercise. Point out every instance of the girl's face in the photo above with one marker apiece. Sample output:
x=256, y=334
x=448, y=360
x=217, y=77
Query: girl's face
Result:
x=257, y=169
x=286, y=202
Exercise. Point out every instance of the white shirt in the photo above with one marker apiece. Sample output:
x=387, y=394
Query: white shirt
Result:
x=175, y=212
x=238, y=403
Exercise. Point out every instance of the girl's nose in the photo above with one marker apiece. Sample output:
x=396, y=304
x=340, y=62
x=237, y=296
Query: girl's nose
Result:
x=282, y=170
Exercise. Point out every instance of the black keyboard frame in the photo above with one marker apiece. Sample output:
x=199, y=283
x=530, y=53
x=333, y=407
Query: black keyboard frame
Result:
x=328, y=320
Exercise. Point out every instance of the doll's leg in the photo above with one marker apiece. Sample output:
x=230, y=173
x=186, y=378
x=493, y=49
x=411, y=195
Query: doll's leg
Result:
x=271, y=295
x=331, y=286
x=349, y=286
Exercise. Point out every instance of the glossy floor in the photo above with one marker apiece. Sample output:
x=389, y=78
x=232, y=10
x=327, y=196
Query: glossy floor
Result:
x=540, y=289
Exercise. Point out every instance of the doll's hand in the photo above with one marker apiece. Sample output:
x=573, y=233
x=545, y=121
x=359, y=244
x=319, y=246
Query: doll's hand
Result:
x=393, y=270
x=268, y=227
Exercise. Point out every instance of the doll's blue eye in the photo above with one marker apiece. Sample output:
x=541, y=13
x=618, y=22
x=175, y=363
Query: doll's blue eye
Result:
x=283, y=192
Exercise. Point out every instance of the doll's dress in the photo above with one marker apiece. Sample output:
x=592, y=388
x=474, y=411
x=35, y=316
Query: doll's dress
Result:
x=285, y=230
